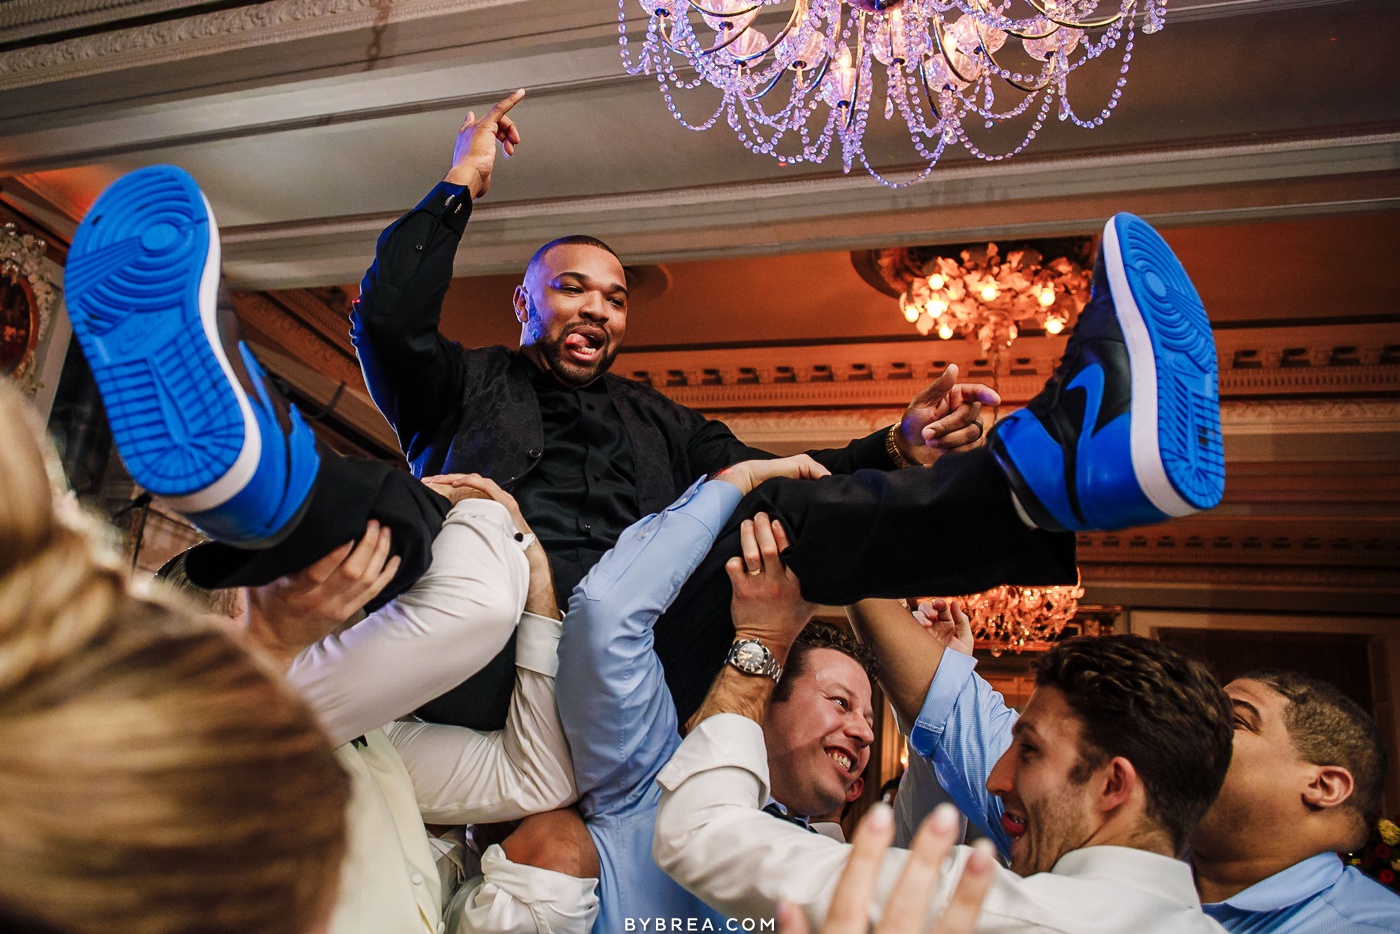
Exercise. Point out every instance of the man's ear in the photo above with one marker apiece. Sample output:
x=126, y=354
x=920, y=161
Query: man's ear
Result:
x=855, y=790
x=1119, y=783
x=1330, y=786
x=521, y=302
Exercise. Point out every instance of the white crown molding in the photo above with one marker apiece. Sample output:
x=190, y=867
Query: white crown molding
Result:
x=213, y=33
x=25, y=19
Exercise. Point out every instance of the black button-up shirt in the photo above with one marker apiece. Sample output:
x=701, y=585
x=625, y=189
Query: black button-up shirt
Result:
x=582, y=493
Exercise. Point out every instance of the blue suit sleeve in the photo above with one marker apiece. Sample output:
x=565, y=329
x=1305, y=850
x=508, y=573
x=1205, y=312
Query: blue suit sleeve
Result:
x=963, y=729
x=613, y=701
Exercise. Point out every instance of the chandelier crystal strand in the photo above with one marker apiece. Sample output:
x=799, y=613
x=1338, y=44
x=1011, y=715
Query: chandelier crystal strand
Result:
x=945, y=67
x=1019, y=618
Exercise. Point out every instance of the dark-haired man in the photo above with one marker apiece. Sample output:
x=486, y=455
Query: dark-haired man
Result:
x=1303, y=785
x=1121, y=749
x=1125, y=433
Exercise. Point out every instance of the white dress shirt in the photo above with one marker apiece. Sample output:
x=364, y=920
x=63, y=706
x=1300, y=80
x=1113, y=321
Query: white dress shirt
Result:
x=453, y=620
x=711, y=837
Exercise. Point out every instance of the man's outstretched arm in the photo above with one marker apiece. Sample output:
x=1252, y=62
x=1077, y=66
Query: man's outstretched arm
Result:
x=711, y=835
x=613, y=699
x=944, y=416
x=959, y=723
x=414, y=374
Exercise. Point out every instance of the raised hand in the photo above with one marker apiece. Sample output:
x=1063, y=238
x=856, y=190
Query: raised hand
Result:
x=474, y=155
x=907, y=907
x=948, y=623
x=767, y=603
x=299, y=609
x=945, y=416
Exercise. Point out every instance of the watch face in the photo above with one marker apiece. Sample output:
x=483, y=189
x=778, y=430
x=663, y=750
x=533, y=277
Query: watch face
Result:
x=749, y=656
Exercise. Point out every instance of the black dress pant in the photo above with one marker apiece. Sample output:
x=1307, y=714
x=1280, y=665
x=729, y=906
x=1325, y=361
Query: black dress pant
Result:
x=946, y=529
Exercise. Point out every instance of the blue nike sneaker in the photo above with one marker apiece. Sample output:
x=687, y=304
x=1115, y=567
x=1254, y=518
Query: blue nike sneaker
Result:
x=192, y=413
x=1127, y=430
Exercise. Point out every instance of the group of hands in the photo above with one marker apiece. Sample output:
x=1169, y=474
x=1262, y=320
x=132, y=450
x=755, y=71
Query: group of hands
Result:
x=301, y=608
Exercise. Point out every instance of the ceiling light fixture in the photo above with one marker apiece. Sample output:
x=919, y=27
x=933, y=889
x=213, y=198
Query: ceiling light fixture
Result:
x=811, y=78
x=978, y=293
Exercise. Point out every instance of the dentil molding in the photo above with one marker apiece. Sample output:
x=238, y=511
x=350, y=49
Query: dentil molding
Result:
x=212, y=33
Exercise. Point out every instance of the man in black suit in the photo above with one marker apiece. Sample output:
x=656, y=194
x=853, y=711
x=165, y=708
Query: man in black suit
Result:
x=587, y=453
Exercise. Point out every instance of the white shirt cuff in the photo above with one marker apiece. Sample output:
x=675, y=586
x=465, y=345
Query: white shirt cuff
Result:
x=725, y=740
x=537, y=644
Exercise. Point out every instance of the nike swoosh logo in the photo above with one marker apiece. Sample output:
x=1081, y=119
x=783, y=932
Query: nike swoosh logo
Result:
x=1091, y=381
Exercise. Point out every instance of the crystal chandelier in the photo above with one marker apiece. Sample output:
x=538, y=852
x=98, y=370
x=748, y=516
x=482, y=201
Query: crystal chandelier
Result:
x=792, y=87
x=1018, y=618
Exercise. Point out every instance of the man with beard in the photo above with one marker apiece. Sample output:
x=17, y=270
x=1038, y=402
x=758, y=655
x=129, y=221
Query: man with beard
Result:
x=584, y=452
x=1121, y=749
x=587, y=453
x=1306, y=773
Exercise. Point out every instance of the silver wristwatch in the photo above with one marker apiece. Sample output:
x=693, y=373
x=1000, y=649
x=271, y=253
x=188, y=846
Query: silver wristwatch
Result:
x=753, y=658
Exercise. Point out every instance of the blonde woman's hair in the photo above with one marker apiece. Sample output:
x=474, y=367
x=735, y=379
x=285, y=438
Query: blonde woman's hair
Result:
x=154, y=779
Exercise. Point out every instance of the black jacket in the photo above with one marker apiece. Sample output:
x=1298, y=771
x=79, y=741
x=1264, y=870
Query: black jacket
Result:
x=458, y=410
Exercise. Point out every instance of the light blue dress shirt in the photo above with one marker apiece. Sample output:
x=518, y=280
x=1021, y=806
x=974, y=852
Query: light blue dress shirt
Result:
x=616, y=709
x=1320, y=895
x=963, y=729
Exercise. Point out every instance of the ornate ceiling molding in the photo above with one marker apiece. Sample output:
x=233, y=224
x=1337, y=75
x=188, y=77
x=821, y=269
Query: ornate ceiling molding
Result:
x=27, y=19
x=1307, y=360
x=213, y=33
x=1318, y=428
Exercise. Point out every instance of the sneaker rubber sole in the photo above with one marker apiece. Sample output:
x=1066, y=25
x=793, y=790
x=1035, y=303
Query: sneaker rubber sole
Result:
x=1177, y=450
x=142, y=283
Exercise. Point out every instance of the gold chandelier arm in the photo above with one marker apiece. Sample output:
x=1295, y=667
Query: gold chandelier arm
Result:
x=938, y=39
x=928, y=91
x=821, y=72
x=861, y=52
x=982, y=4
x=1001, y=73
x=793, y=19
x=1040, y=8
x=728, y=14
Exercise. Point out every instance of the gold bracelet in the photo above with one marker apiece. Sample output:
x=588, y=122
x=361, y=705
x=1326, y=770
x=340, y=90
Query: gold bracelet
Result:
x=892, y=449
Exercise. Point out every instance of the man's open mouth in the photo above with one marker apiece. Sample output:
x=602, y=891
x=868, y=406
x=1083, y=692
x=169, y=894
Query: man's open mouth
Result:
x=585, y=345
x=1013, y=824
x=841, y=757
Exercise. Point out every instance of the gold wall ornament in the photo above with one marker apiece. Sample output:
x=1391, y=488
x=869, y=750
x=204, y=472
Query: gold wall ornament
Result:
x=27, y=296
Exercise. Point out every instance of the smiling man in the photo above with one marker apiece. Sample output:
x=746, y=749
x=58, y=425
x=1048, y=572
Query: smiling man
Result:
x=1121, y=749
x=621, y=722
x=585, y=452
x=1304, y=783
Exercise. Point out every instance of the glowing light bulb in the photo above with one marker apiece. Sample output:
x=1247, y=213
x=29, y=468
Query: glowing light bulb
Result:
x=989, y=292
x=1054, y=326
x=935, y=281
x=946, y=331
x=911, y=313
x=936, y=307
x=1047, y=297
